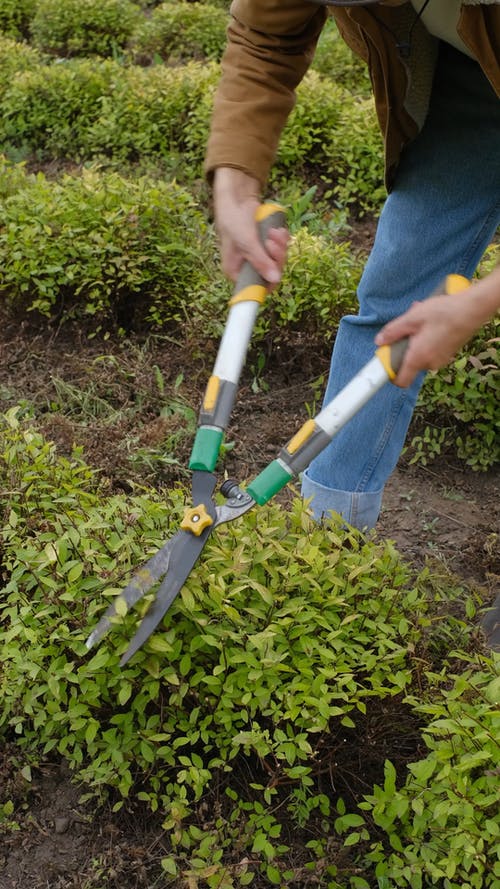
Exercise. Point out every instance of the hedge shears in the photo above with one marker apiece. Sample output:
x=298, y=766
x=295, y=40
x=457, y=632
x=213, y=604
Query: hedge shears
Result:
x=173, y=563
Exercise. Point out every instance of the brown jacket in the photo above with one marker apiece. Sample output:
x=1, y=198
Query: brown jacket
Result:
x=271, y=44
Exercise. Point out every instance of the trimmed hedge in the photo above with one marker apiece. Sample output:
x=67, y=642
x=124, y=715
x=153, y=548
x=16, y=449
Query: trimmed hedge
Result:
x=82, y=109
x=83, y=27
x=179, y=31
x=16, y=17
x=284, y=638
x=15, y=58
x=334, y=137
x=88, y=245
x=96, y=243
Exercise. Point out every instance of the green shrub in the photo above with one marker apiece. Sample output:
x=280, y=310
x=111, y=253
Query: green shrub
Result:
x=284, y=632
x=309, y=131
x=333, y=136
x=94, y=244
x=459, y=403
x=359, y=157
x=319, y=284
x=83, y=27
x=334, y=59
x=460, y=406
x=149, y=115
x=16, y=16
x=81, y=109
x=12, y=178
x=49, y=109
x=284, y=635
x=180, y=31
x=443, y=825
x=14, y=58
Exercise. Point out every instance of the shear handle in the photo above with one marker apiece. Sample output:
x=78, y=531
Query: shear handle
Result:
x=249, y=294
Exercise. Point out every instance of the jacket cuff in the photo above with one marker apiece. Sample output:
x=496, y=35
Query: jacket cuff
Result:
x=246, y=154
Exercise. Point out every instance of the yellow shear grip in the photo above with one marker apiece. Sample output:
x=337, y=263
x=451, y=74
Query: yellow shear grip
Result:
x=265, y=210
x=254, y=292
x=452, y=284
x=301, y=436
x=211, y=393
x=196, y=519
x=383, y=354
x=455, y=283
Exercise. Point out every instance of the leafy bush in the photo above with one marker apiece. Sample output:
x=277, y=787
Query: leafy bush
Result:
x=309, y=131
x=459, y=404
x=88, y=245
x=279, y=641
x=462, y=403
x=359, y=156
x=12, y=178
x=180, y=31
x=443, y=825
x=16, y=57
x=50, y=108
x=283, y=636
x=335, y=136
x=16, y=16
x=82, y=109
x=149, y=113
x=334, y=59
x=319, y=284
x=83, y=27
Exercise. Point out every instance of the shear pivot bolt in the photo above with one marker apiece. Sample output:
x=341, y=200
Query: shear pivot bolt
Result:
x=196, y=519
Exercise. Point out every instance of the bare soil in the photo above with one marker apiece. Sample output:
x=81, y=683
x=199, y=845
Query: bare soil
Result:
x=108, y=396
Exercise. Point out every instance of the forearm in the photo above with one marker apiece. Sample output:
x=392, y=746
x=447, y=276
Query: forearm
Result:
x=482, y=301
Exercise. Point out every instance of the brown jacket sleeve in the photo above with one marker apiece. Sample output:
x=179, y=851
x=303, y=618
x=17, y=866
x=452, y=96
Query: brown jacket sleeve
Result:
x=271, y=44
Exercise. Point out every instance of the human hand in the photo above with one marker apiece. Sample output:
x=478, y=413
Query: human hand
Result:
x=236, y=199
x=440, y=326
x=435, y=330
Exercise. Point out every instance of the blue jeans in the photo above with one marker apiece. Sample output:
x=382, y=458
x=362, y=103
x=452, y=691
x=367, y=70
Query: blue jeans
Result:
x=439, y=219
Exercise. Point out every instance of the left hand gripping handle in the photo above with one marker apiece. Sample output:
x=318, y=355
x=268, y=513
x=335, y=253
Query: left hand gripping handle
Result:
x=316, y=433
x=248, y=295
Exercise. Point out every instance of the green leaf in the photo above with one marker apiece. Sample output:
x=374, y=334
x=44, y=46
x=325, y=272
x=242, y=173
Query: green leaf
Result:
x=169, y=866
x=352, y=839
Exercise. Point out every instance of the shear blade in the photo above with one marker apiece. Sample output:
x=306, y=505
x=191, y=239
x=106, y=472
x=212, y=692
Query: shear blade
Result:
x=173, y=561
x=141, y=583
x=202, y=487
x=186, y=555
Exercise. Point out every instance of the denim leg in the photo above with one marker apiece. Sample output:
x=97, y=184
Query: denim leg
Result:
x=439, y=219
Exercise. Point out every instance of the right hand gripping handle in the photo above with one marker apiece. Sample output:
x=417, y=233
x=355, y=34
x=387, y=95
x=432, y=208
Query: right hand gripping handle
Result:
x=249, y=294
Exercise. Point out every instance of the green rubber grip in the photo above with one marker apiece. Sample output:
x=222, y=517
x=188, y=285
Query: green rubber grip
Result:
x=271, y=480
x=206, y=448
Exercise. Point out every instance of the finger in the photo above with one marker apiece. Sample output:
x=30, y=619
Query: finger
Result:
x=277, y=250
x=393, y=331
x=405, y=377
x=268, y=265
x=404, y=325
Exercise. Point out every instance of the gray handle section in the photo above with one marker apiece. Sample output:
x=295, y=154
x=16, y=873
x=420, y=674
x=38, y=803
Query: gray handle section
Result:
x=398, y=352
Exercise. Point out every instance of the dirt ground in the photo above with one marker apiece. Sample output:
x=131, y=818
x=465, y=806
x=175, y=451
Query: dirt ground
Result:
x=109, y=398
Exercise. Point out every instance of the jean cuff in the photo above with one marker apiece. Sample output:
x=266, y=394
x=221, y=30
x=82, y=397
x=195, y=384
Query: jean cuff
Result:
x=359, y=508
